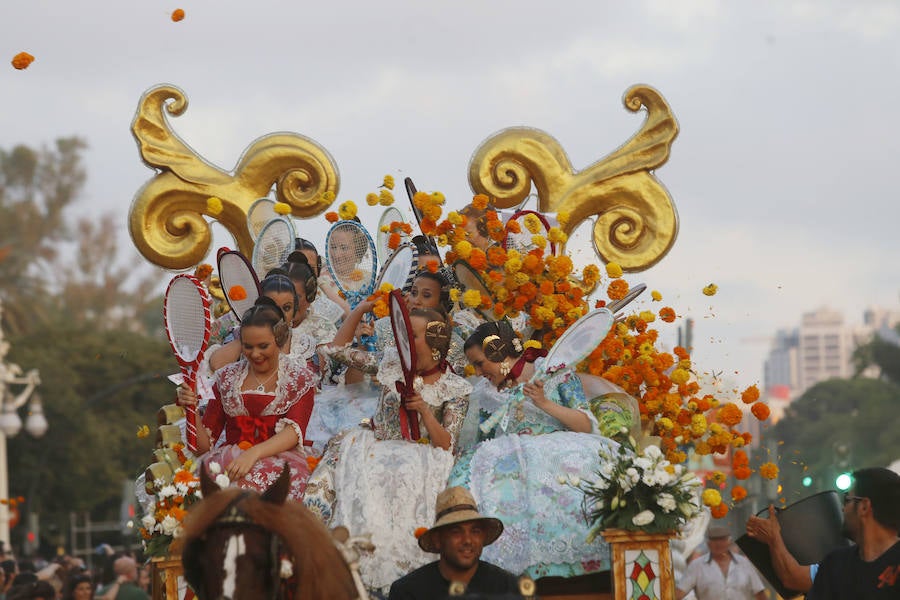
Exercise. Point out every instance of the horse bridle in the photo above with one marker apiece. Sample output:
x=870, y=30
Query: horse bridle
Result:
x=234, y=516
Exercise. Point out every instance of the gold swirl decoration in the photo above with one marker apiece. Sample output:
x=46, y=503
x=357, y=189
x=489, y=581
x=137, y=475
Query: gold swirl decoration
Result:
x=636, y=218
x=168, y=218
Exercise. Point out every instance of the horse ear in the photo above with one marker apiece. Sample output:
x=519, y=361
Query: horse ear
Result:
x=208, y=486
x=278, y=491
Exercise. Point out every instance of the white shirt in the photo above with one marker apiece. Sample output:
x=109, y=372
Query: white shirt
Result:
x=706, y=579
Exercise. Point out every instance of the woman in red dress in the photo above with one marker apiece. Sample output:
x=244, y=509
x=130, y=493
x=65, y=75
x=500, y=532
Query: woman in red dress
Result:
x=261, y=408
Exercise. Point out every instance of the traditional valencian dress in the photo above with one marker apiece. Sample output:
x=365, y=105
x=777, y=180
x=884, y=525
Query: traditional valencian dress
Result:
x=514, y=473
x=373, y=481
x=250, y=417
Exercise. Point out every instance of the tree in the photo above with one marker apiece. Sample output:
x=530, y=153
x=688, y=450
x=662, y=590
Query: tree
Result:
x=880, y=353
x=36, y=186
x=859, y=413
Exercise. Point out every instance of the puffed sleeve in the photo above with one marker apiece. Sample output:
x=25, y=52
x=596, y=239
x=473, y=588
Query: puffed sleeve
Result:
x=297, y=416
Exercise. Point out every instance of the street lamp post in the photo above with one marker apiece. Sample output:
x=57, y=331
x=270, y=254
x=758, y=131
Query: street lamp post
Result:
x=16, y=388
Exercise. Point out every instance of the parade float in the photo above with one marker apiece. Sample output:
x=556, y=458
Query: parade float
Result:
x=649, y=399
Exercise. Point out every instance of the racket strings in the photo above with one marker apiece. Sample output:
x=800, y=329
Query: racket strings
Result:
x=273, y=246
x=186, y=319
x=349, y=253
x=234, y=272
x=260, y=213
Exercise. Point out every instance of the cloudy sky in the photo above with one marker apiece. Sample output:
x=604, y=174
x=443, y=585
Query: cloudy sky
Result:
x=782, y=174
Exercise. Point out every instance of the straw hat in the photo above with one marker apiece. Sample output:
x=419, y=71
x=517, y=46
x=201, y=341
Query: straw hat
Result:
x=456, y=505
x=717, y=532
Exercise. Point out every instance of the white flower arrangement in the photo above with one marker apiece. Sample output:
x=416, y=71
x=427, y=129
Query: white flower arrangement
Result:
x=638, y=491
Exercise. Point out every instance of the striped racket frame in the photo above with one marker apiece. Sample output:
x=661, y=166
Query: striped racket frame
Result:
x=270, y=251
x=188, y=363
x=403, y=336
x=236, y=270
x=386, y=276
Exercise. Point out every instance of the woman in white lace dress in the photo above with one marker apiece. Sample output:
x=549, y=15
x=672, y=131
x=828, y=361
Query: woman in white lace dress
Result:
x=373, y=481
x=328, y=303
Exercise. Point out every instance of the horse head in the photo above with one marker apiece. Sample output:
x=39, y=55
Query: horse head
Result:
x=242, y=545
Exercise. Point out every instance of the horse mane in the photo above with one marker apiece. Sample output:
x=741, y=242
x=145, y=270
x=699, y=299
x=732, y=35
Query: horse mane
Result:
x=319, y=568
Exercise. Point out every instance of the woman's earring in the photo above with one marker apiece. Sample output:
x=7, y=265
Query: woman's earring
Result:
x=504, y=368
x=435, y=354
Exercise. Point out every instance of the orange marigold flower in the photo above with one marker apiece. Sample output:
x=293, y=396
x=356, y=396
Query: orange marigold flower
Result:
x=740, y=459
x=183, y=476
x=245, y=445
x=768, y=470
x=331, y=217
x=203, y=271
x=237, y=293
x=513, y=226
x=312, y=462
x=720, y=511
x=546, y=287
x=667, y=314
x=730, y=414
x=742, y=473
x=22, y=60
x=760, y=410
x=480, y=201
x=478, y=259
x=738, y=493
x=432, y=267
x=420, y=531
x=750, y=395
x=617, y=289
x=394, y=241
x=496, y=256
x=177, y=14
x=380, y=309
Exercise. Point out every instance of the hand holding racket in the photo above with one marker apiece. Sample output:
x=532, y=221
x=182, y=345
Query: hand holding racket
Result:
x=403, y=334
x=188, y=325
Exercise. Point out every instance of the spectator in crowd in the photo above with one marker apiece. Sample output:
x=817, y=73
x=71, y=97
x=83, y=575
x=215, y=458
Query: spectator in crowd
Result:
x=721, y=573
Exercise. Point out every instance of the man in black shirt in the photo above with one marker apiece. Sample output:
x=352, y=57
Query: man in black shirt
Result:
x=870, y=570
x=459, y=534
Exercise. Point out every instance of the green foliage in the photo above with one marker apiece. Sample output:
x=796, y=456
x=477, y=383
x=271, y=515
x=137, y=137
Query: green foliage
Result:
x=98, y=386
x=860, y=413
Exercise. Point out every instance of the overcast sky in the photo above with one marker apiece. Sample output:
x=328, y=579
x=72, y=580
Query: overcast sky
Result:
x=784, y=173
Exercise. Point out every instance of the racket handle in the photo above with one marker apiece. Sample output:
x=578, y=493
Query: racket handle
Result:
x=190, y=419
x=413, y=418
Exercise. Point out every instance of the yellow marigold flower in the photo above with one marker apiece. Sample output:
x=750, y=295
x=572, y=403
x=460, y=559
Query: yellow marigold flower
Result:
x=647, y=316
x=590, y=275
x=613, y=270
x=501, y=293
x=698, y=424
x=665, y=423
x=702, y=448
x=533, y=223
x=388, y=182
x=454, y=294
x=533, y=344
x=469, y=370
x=463, y=249
x=386, y=198
x=646, y=348
x=557, y=235
x=22, y=60
x=472, y=298
x=214, y=206
x=738, y=441
x=282, y=208
x=437, y=197
x=563, y=217
x=372, y=199
x=347, y=210
x=768, y=470
x=386, y=287
x=143, y=431
x=710, y=290
x=712, y=497
x=680, y=376
x=656, y=295
x=539, y=241
x=455, y=218
x=328, y=196
x=717, y=477
x=520, y=279
x=384, y=228
x=513, y=266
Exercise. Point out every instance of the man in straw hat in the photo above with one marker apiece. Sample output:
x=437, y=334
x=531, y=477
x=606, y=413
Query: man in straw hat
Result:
x=721, y=574
x=459, y=534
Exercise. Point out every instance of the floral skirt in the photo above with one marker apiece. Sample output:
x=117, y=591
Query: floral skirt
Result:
x=385, y=488
x=266, y=470
x=516, y=478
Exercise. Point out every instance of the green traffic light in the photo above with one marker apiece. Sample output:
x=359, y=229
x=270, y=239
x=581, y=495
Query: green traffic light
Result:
x=843, y=482
x=807, y=481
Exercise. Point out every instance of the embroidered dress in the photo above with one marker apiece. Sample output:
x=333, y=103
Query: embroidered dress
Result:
x=513, y=473
x=308, y=336
x=325, y=307
x=373, y=481
x=252, y=417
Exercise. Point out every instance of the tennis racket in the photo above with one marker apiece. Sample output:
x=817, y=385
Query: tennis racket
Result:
x=273, y=245
x=469, y=279
x=519, y=237
x=260, y=212
x=390, y=215
x=188, y=325
x=403, y=334
x=400, y=269
x=351, y=260
x=236, y=274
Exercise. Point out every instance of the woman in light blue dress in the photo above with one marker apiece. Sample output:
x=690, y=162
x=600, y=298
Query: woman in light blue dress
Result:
x=528, y=437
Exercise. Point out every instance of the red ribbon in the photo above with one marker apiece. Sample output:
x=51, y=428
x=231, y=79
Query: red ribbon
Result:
x=529, y=356
x=409, y=420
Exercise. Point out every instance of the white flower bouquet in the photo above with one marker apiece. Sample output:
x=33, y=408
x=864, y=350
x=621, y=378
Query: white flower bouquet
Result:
x=639, y=492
